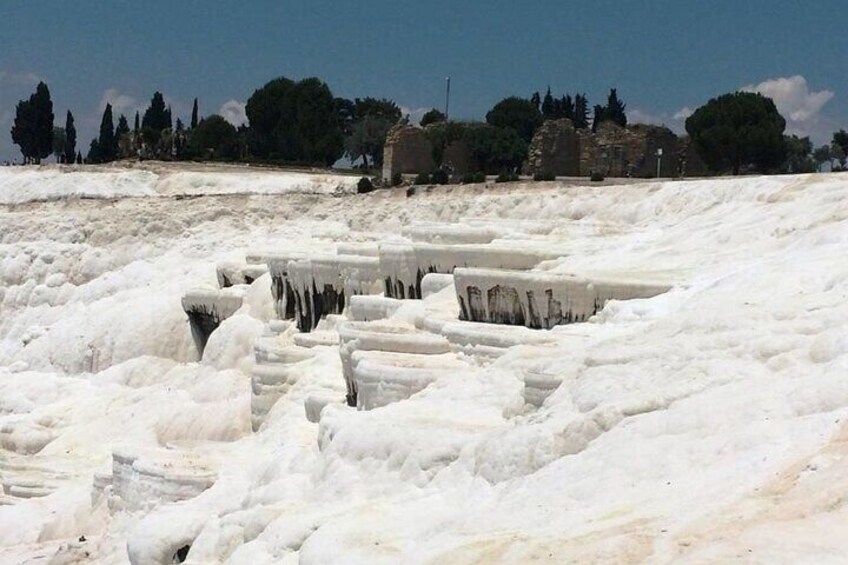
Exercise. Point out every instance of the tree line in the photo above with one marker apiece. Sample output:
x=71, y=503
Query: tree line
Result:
x=302, y=122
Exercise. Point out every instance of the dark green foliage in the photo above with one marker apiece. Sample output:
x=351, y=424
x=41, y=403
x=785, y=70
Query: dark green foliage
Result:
x=59, y=144
x=506, y=177
x=581, y=111
x=566, y=107
x=596, y=177
x=472, y=178
x=364, y=186
x=372, y=121
x=157, y=117
x=422, y=178
x=518, y=114
x=799, y=155
x=70, y=138
x=432, y=117
x=738, y=130
x=443, y=134
x=822, y=155
x=536, y=100
x=136, y=128
x=33, y=127
x=548, y=110
x=496, y=149
x=106, y=145
x=79, y=158
x=397, y=179
x=295, y=122
x=215, y=138
x=123, y=138
x=598, y=115
x=194, y=118
x=94, y=154
x=839, y=147
x=439, y=177
x=544, y=177
x=346, y=112
x=614, y=110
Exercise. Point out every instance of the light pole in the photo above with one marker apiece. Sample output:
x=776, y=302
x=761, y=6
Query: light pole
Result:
x=659, y=161
x=447, y=97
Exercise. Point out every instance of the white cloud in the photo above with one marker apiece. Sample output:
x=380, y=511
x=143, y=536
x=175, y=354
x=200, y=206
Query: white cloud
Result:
x=233, y=111
x=121, y=103
x=801, y=107
x=683, y=113
x=415, y=114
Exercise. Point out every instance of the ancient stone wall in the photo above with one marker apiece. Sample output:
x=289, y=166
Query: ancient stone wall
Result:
x=407, y=151
x=554, y=150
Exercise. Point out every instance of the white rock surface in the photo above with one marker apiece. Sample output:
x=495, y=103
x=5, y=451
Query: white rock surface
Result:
x=705, y=424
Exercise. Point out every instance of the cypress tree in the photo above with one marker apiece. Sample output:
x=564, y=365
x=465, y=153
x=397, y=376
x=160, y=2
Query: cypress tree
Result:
x=70, y=138
x=598, y=117
x=194, y=115
x=33, y=127
x=548, y=110
x=122, y=135
x=106, y=140
x=136, y=128
x=615, y=109
x=156, y=117
x=79, y=158
x=536, y=100
x=581, y=111
x=566, y=106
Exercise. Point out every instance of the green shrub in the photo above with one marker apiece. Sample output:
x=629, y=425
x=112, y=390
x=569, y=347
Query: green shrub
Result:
x=506, y=177
x=479, y=177
x=439, y=177
x=596, y=177
x=544, y=176
x=422, y=178
x=397, y=179
x=364, y=185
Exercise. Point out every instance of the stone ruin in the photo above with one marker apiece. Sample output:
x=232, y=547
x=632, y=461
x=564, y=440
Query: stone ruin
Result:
x=409, y=150
x=557, y=149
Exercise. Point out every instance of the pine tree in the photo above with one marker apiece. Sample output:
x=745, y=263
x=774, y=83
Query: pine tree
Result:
x=548, y=106
x=136, y=128
x=70, y=138
x=106, y=146
x=194, y=115
x=581, y=111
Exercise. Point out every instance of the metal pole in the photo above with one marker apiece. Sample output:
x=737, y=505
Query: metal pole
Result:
x=447, y=97
x=659, y=161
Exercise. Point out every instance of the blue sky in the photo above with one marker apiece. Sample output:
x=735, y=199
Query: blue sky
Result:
x=664, y=56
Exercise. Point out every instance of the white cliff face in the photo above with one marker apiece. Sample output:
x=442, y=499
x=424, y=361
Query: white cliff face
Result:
x=696, y=425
